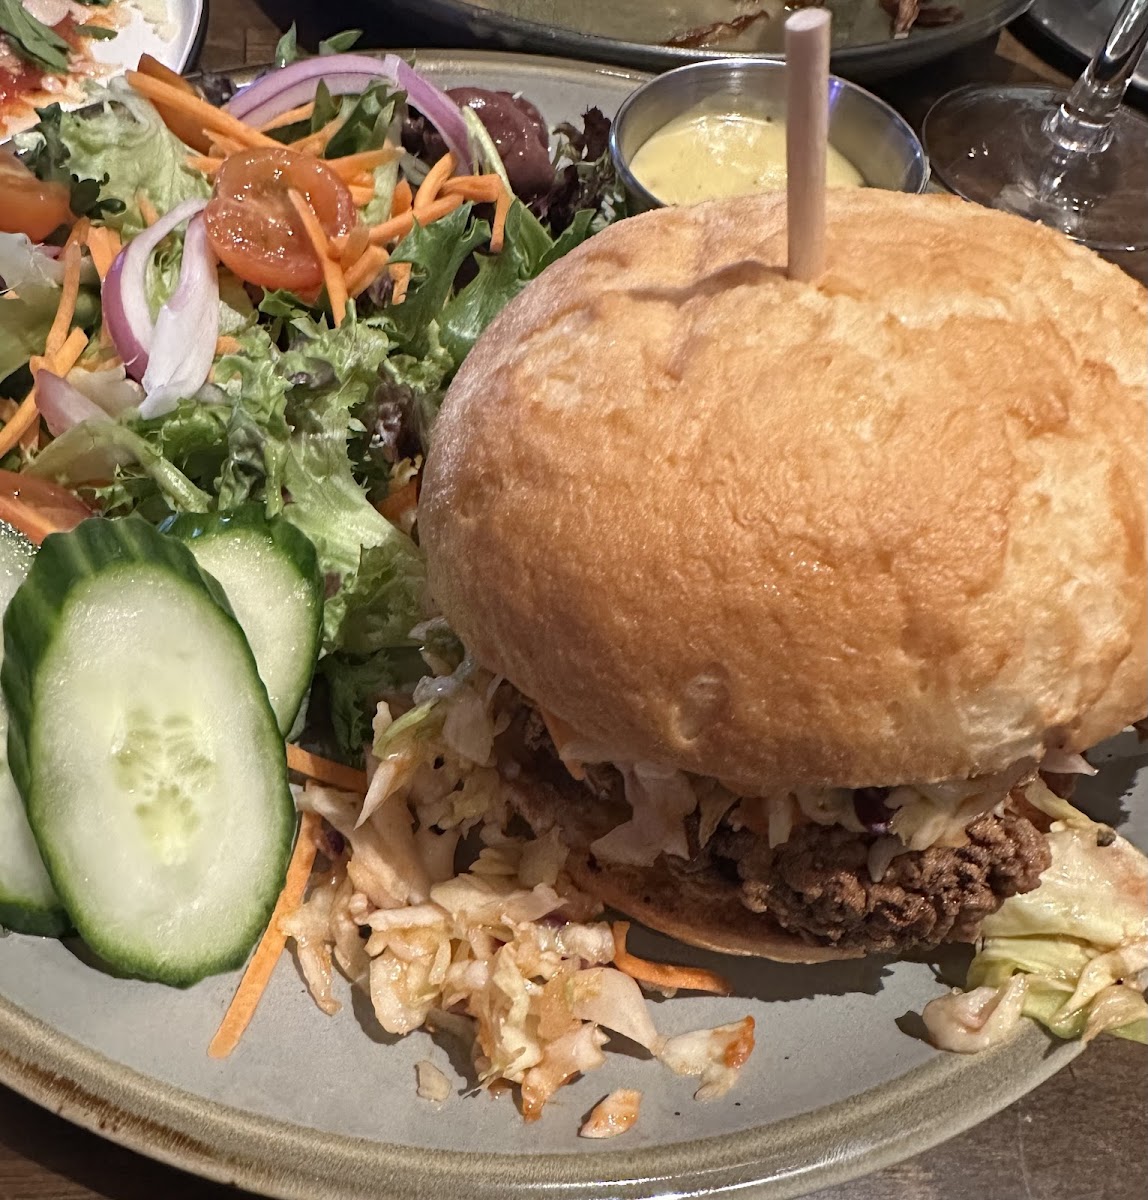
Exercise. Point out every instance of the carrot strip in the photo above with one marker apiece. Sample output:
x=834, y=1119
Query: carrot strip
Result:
x=103, y=245
x=316, y=143
x=69, y=293
x=474, y=187
x=205, y=164
x=403, y=198
x=271, y=944
x=362, y=196
x=289, y=118
x=34, y=525
x=26, y=416
x=366, y=269
x=436, y=177
x=400, y=501
x=223, y=146
x=488, y=189
x=348, y=166
x=398, y=227
x=332, y=272
x=501, y=212
x=226, y=345
x=147, y=209
x=666, y=975
x=323, y=770
x=214, y=120
x=401, y=274
x=351, y=247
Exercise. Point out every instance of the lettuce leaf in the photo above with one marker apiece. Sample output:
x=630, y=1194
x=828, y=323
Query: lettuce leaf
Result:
x=30, y=295
x=127, y=146
x=378, y=569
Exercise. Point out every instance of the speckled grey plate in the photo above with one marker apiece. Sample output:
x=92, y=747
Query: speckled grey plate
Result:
x=325, y=1109
x=636, y=33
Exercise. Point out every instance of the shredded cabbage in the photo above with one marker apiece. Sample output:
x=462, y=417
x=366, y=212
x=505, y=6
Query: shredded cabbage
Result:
x=507, y=951
x=1079, y=942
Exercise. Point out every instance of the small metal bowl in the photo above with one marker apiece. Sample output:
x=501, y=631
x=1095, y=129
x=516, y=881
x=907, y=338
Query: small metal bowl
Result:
x=875, y=138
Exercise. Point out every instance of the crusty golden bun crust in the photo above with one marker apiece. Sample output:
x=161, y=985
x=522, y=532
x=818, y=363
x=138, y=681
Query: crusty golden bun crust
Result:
x=698, y=906
x=888, y=528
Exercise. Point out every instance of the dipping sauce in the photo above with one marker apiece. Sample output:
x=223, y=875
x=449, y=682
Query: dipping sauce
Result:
x=709, y=152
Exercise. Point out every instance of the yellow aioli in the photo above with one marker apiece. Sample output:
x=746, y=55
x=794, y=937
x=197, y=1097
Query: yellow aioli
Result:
x=709, y=152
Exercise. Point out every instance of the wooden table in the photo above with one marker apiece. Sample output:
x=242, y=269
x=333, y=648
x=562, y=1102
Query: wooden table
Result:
x=1082, y=1136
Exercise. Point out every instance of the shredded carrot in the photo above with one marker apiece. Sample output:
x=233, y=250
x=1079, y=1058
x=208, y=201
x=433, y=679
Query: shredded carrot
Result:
x=226, y=345
x=398, y=227
x=316, y=143
x=401, y=274
x=474, y=187
x=361, y=195
x=103, y=245
x=27, y=415
x=352, y=246
x=349, y=166
x=289, y=118
x=488, y=189
x=69, y=293
x=323, y=770
x=32, y=523
x=222, y=146
x=435, y=178
x=332, y=272
x=501, y=212
x=403, y=198
x=205, y=164
x=366, y=269
x=147, y=209
x=214, y=120
x=66, y=357
x=665, y=975
x=271, y=944
x=399, y=502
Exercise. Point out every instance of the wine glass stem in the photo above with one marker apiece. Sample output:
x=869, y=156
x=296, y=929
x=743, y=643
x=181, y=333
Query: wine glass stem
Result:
x=1082, y=123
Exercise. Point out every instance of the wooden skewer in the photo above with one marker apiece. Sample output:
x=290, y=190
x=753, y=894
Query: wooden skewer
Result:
x=807, y=139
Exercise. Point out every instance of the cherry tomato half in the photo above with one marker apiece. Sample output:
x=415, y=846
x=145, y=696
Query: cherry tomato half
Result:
x=29, y=205
x=255, y=230
x=61, y=508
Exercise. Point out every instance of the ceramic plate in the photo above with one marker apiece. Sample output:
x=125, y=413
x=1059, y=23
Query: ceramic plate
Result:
x=1080, y=26
x=325, y=1108
x=639, y=33
x=169, y=30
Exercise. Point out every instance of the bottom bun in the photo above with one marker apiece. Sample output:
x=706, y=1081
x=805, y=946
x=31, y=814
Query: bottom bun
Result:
x=696, y=905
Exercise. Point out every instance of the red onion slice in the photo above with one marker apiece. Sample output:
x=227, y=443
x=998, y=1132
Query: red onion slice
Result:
x=186, y=330
x=62, y=405
x=126, y=312
x=281, y=90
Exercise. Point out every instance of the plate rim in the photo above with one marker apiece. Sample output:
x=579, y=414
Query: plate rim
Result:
x=293, y=1162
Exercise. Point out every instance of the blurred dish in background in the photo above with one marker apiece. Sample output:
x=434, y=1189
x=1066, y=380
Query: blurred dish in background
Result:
x=1079, y=27
x=51, y=49
x=872, y=38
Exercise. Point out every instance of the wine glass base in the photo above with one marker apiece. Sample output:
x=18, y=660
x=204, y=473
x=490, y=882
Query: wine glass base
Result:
x=990, y=144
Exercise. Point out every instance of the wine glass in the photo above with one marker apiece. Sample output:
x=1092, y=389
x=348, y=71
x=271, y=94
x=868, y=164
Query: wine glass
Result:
x=1075, y=160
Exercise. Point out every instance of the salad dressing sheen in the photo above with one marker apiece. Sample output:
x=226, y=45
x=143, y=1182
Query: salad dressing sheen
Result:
x=709, y=152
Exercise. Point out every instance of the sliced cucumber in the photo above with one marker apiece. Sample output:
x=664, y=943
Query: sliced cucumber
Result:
x=28, y=902
x=271, y=575
x=149, y=759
